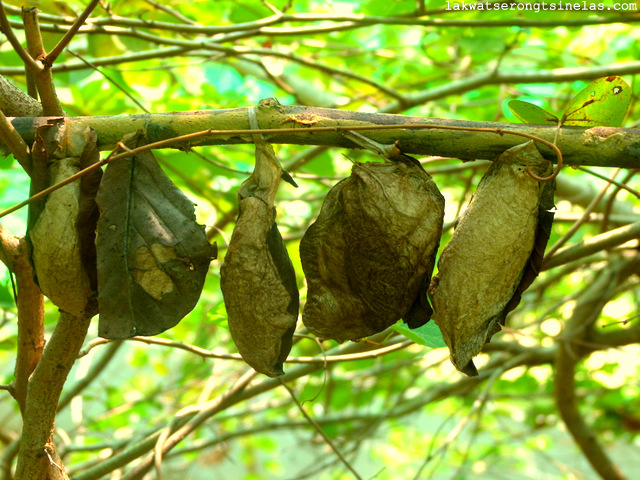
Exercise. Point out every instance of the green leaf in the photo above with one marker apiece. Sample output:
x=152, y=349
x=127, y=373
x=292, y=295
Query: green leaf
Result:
x=6, y=296
x=428, y=334
x=532, y=114
x=604, y=102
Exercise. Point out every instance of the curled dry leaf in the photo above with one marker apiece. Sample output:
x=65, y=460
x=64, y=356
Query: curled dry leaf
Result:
x=494, y=254
x=369, y=256
x=152, y=256
x=257, y=278
x=61, y=230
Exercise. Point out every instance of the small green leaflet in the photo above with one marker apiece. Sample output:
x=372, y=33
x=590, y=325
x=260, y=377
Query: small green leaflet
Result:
x=530, y=113
x=604, y=102
x=428, y=334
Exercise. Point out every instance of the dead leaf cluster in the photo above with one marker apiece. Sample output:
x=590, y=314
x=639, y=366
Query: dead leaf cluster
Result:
x=369, y=256
x=125, y=244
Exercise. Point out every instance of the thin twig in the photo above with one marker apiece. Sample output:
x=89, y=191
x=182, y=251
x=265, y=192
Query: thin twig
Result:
x=15, y=43
x=609, y=203
x=610, y=180
x=321, y=432
x=202, y=413
x=203, y=352
x=478, y=405
x=437, y=393
x=585, y=217
x=51, y=57
x=15, y=143
x=110, y=80
x=172, y=12
x=265, y=25
x=91, y=375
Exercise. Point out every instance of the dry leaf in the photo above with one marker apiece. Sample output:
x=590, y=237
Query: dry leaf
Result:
x=491, y=258
x=257, y=278
x=59, y=242
x=259, y=287
x=369, y=255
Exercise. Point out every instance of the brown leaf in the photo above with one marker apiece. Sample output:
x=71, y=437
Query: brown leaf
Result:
x=152, y=255
x=88, y=214
x=259, y=287
x=490, y=260
x=369, y=255
x=57, y=246
x=257, y=278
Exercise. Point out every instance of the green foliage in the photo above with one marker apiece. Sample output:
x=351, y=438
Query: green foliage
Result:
x=604, y=102
x=427, y=335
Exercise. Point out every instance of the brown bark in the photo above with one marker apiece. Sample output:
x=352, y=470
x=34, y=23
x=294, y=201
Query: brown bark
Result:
x=30, y=324
x=43, y=78
x=38, y=458
x=599, y=146
x=572, y=347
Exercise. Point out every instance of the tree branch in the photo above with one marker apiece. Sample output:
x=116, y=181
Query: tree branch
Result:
x=318, y=429
x=15, y=143
x=15, y=43
x=498, y=78
x=15, y=103
x=569, y=352
x=37, y=450
x=62, y=44
x=30, y=304
x=598, y=146
x=44, y=80
x=592, y=245
x=265, y=26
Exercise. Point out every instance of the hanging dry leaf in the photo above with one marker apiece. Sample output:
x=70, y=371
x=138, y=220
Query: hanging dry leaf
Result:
x=152, y=255
x=494, y=254
x=369, y=255
x=257, y=278
x=259, y=287
x=60, y=230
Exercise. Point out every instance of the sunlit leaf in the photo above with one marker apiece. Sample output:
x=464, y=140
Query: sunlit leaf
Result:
x=532, y=114
x=428, y=334
x=604, y=102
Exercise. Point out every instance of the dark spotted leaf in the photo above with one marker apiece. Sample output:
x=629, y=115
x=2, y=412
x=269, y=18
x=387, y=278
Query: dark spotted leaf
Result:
x=604, y=102
x=152, y=255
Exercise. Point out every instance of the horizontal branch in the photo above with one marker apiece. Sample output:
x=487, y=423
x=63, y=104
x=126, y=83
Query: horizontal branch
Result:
x=266, y=26
x=599, y=146
x=502, y=77
x=604, y=241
